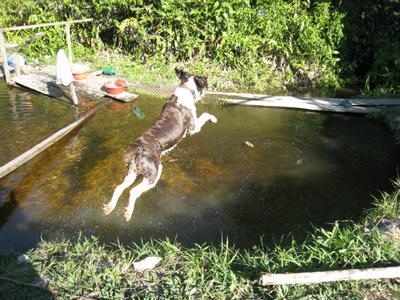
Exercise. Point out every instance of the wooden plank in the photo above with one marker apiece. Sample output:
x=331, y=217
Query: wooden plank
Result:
x=46, y=84
x=329, y=276
x=14, y=28
x=96, y=83
x=353, y=101
x=301, y=104
x=4, y=58
x=34, y=151
x=90, y=88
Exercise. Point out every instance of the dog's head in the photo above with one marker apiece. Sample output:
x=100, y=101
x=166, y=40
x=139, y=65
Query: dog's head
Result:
x=196, y=84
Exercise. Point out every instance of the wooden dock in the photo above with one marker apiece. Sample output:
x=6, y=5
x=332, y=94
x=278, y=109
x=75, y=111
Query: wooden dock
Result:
x=337, y=105
x=90, y=88
x=44, y=80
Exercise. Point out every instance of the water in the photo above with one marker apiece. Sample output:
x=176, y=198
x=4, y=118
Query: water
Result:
x=305, y=168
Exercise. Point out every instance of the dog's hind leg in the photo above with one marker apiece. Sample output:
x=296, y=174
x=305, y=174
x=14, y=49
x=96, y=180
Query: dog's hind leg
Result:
x=138, y=190
x=129, y=179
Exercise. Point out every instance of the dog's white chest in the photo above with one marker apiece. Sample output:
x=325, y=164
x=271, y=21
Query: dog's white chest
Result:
x=186, y=99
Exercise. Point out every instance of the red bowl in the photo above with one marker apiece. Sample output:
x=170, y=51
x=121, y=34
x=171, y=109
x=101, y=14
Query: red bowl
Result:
x=115, y=86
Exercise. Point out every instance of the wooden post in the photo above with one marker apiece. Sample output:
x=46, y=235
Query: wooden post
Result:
x=69, y=44
x=16, y=64
x=4, y=57
x=73, y=93
x=68, y=32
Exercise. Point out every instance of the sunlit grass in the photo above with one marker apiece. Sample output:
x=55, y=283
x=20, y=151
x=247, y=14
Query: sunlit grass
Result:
x=87, y=267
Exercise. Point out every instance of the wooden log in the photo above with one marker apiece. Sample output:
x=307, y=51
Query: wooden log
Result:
x=4, y=58
x=14, y=28
x=337, y=101
x=329, y=276
x=31, y=153
x=305, y=104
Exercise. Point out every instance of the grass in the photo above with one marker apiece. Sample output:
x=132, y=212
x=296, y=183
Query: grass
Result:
x=87, y=267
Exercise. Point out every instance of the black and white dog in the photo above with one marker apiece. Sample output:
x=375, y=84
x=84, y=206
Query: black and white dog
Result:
x=143, y=157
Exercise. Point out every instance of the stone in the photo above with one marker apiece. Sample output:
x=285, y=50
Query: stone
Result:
x=148, y=263
x=23, y=258
x=389, y=227
x=251, y=145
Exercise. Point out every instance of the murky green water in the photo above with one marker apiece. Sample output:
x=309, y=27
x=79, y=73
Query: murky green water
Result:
x=305, y=168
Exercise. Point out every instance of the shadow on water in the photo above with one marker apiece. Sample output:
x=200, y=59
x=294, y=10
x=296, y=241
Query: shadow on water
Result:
x=304, y=168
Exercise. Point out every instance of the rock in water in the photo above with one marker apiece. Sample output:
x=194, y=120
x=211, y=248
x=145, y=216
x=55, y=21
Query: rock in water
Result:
x=138, y=113
x=251, y=145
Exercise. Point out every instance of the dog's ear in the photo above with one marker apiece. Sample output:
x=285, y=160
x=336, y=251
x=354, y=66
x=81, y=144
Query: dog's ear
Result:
x=182, y=75
x=201, y=82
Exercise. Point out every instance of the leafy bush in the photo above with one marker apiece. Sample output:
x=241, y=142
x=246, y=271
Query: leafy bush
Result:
x=290, y=43
x=371, y=47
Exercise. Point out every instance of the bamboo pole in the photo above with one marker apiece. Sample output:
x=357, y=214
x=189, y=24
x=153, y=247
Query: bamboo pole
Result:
x=68, y=34
x=14, y=28
x=329, y=276
x=31, y=153
x=4, y=58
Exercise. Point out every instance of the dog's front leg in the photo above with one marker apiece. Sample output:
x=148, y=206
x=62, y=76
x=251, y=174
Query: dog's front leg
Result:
x=200, y=121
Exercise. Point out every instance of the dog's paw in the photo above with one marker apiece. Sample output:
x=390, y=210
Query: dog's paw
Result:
x=213, y=119
x=127, y=214
x=107, y=209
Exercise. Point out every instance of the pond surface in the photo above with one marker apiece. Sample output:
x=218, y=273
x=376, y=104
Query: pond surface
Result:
x=305, y=168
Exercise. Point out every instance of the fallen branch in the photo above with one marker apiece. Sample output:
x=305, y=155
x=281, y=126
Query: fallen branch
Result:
x=328, y=276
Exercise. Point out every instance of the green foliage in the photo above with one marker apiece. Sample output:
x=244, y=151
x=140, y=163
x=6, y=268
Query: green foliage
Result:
x=278, y=43
x=257, y=44
x=391, y=117
x=371, y=46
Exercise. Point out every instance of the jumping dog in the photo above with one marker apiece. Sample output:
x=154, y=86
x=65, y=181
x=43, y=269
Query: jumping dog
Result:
x=177, y=119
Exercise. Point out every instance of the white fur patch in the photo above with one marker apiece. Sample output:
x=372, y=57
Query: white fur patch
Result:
x=186, y=99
